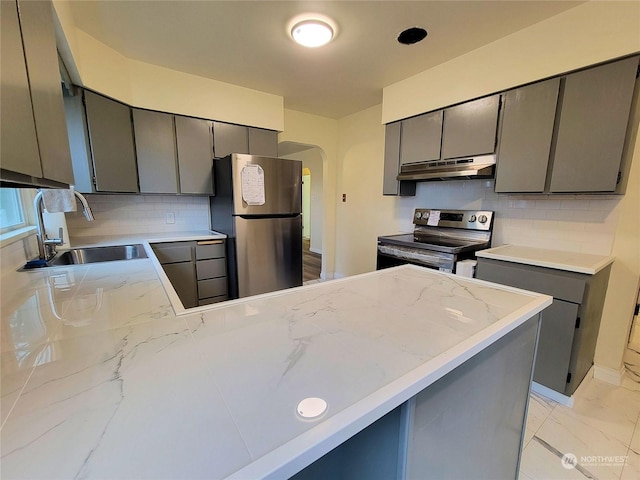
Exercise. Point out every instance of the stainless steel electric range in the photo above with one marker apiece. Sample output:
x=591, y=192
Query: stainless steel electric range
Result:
x=440, y=239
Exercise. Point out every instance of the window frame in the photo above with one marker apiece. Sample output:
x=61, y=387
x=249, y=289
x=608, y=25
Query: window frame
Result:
x=25, y=202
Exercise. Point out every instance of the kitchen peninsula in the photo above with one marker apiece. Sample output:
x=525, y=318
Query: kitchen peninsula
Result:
x=100, y=379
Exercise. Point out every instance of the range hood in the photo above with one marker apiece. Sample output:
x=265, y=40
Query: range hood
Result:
x=454, y=169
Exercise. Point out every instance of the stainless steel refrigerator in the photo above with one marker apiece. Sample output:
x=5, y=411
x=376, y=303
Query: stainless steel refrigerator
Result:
x=258, y=205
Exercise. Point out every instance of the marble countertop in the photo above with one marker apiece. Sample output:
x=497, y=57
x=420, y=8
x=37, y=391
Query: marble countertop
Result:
x=569, y=261
x=100, y=378
x=105, y=240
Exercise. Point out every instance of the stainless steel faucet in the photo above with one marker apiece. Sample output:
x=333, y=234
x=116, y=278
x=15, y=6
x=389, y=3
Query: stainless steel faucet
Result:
x=47, y=246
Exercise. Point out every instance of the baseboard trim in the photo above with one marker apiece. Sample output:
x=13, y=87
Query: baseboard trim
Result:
x=552, y=394
x=315, y=250
x=609, y=375
x=327, y=276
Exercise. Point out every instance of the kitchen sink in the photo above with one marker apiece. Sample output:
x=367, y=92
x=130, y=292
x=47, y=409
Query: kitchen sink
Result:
x=81, y=256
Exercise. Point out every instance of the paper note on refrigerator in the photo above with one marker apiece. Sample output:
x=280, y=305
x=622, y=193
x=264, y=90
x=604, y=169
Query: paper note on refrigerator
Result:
x=252, y=177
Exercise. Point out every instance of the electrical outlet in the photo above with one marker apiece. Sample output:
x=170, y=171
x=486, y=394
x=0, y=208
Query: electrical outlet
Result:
x=171, y=217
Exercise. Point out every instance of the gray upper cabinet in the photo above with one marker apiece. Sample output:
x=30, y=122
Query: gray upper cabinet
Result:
x=155, y=151
x=592, y=127
x=228, y=139
x=112, y=148
x=390, y=185
x=420, y=138
x=38, y=36
x=31, y=103
x=470, y=128
x=525, y=139
x=195, y=155
x=263, y=142
x=19, y=142
x=79, y=142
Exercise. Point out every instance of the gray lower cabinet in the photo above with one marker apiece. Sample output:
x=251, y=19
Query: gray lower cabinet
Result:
x=35, y=148
x=470, y=128
x=420, y=138
x=525, y=137
x=390, y=184
x=468, y=424
x=211, y=271
x=178, y=262
x=592, y=127
x=195, y=155
x=569, y=328
x=112, y=146
x=155, y=151
x=197, y=270
x=182, y=278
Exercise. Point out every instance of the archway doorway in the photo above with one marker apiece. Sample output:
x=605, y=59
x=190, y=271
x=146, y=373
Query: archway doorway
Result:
x=312, y=204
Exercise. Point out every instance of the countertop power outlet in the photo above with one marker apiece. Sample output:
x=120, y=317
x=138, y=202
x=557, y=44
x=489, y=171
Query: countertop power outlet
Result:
x=171, y=217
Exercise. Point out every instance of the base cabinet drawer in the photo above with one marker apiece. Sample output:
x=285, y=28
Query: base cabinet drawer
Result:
x=213, y=287
x=216, y=267
x=567, y=286
x=212, y=300
x=197, y=270
x=215, y=249
x=174, y=252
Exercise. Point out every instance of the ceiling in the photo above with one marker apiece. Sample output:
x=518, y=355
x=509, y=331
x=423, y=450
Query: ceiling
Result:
x=246, y=43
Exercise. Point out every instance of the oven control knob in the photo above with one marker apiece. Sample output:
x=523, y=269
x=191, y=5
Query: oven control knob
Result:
x=418, y=215
x=472, y=218
x=482, y=219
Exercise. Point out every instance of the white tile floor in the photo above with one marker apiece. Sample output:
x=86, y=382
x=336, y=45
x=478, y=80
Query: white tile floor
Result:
x=601, y=431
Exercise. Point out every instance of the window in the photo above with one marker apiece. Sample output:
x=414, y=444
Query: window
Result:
x=11, y=212
x=16, y=215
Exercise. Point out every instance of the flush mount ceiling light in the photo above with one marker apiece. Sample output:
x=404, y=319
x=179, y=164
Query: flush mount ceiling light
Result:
x=412, y=35
x=312, y=30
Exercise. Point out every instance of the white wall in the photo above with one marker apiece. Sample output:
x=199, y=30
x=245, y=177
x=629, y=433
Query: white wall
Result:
x=625, y=272
x=138, y=214
x=589, y=33
x=573, y=222
x=312, y=159
x=592, y=32
x=367, y=213
x=306, y=206
x=321, y=132
x=94, y=65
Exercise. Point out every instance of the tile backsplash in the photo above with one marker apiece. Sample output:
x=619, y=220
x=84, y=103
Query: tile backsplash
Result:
x=134, y=214
x=580, y=223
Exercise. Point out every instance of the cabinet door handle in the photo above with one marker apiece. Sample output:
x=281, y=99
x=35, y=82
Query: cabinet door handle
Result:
x=210, y=242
